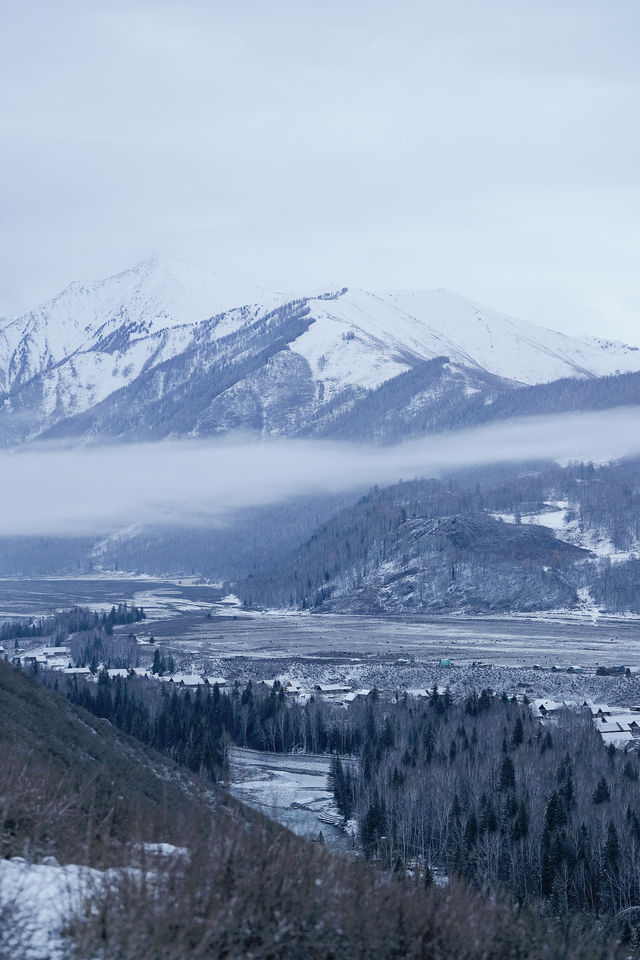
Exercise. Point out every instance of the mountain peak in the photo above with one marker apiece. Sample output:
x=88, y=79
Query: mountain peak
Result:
x=96, y=339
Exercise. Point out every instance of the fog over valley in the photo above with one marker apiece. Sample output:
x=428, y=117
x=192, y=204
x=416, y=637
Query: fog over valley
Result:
x=68, y=490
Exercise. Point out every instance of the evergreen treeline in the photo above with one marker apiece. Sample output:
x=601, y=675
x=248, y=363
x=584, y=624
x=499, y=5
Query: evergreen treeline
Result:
x=387, y=549
x=481, y=790
x=195, y=728
x=60, y=625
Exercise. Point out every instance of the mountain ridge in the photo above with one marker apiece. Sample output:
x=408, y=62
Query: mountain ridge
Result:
x=74, y=355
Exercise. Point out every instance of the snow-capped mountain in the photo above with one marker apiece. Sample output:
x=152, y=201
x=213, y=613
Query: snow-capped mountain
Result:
x=163, y=349
x=391, y=330
x=153, y=297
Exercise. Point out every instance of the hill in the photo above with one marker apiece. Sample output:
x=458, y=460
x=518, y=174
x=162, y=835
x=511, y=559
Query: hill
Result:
x=74, y=787
x=500, y=540
x=237, y=886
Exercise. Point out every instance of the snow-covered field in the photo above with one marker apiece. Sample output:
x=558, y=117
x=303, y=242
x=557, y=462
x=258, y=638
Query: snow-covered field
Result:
x=387, y=652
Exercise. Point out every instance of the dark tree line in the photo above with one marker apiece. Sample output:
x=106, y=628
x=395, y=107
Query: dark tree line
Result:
x=195, y=727
x=481, y=790
x=59, y=626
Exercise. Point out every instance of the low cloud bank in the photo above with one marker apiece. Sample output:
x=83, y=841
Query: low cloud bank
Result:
x=88, y=490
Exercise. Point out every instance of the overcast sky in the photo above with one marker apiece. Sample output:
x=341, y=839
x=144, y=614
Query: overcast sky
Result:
x=492, y=148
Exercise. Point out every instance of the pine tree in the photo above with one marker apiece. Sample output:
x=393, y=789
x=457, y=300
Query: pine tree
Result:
x=612, y=847
x=507, y=774
x=601, y=793
x=155, y=667
x=518, y=732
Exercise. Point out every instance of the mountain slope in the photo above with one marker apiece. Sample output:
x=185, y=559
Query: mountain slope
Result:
x=376, y=558
x=365, y=338
x=437, y=395
x=497, y=539
x=62, y=775
x=163, y=350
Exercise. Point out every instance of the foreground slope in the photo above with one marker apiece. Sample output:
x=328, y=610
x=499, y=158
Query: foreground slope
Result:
x=74, y=787
x=243, y=886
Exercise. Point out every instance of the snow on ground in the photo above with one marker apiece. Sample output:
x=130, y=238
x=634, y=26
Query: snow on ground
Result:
x=37, y=901
x=559, y=519
x=291, y=789
x=363, y=338
x=159, y=303
x=158, y=604
x=281, y=781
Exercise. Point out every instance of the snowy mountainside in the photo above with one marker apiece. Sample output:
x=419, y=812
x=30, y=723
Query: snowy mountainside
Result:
x=164, y=337
x=366, y=338
x=151, y=297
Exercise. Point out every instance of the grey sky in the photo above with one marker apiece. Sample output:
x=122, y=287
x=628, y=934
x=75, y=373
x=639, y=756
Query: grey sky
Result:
x=492, y=148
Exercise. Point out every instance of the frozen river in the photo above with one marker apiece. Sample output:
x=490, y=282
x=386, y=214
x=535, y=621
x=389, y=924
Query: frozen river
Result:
x=291, y=789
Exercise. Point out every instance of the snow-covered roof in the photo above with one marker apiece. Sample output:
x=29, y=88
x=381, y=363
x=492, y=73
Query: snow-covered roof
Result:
x=598, y=707
x=619, y=738
x=188, y=679
x=546, y=706
x=612, y=726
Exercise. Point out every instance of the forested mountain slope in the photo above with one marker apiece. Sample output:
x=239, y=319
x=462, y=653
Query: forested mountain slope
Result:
x=500, y=539
x=436, y=395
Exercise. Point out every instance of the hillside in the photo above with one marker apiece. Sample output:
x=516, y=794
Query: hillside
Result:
x=436, y=396
x=499, y=540
x=237, y=885
x=74, y=787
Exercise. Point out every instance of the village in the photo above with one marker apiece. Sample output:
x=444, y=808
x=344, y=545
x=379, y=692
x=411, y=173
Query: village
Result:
x=617, y=724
